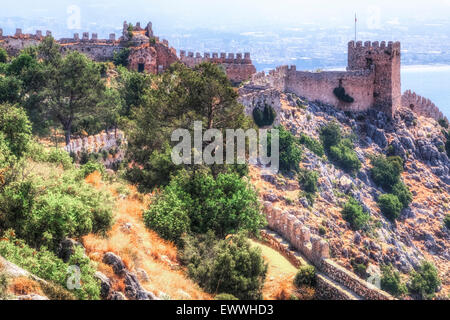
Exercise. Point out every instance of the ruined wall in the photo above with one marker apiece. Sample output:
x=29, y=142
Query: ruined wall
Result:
x=104, y=141
x=386, y=60
x=421, y=106
x=237, y=67
x=96, y=49
x=319, y=86
x=19, y=41
x=317, y=251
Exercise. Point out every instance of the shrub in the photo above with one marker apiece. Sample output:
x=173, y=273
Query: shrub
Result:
x=403, y=194
x=230, y=265
x=47, y=266
x=308, y=181
x=386, y=172
x=354, y=214
x=442, y=122
x=306, y=276
x=45, y=211
x=330, y=135
x=340, y=93
x=225, y=297
x=16, y=128
x=91, y=167
x=447, y=221
x=199, y=203
x=390, y=206
x=168, y=216
x=313, y=145
x=425, y=282
x=4, y=284
x=290, y=153
x=360, y=269
x=264, y=118
x=3, y=56
x=121, y=58
x=447, y=146
x=391, y=282
x=340, y=150
x=345, y=157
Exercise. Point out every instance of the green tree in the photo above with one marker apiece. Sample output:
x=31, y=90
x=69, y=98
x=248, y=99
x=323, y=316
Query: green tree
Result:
x=230, y=265
x=391, y=281
x=290, y=153
x=73, y=90
x=10, y=89
x=390, y=206
x=16, y=128
x=3, y=56
x=403, y=194
x=121, y=57
x=226, y=204
x=330, y=135
x=425, y=282
x=354, y=214
x=306, y=276
x=386, y=172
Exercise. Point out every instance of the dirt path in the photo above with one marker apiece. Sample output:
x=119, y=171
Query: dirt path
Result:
x=280, y=273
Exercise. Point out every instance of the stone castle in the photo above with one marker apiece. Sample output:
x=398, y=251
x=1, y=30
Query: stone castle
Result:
x=147, y=52
x=372, y=79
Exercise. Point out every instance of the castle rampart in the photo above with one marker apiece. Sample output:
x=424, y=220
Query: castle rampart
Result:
x=372, y=80
x=317, y=251
x=421, y=106
x=237, y=66
x=148, y=52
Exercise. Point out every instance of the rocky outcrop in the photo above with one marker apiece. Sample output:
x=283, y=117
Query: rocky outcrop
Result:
x=133, y=288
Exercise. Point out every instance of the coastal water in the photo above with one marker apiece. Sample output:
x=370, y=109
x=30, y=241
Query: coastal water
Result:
x=432, y=82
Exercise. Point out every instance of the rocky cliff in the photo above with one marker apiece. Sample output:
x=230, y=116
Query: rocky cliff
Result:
x=418, y=235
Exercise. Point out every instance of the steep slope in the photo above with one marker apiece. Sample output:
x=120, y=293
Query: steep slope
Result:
x=142, y=251
x=418, y=234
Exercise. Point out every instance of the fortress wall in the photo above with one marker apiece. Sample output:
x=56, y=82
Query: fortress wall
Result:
x=317, y=251
x=95, y=51
x=421, y=106
x=99, y=143
x=238, y=67
x=319, y=86
x=13, y=45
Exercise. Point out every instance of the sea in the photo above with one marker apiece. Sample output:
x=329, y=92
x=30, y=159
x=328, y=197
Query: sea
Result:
x=429, y=81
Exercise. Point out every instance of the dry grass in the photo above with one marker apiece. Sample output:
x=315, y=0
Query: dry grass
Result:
x=24, y=286
x=140, y=248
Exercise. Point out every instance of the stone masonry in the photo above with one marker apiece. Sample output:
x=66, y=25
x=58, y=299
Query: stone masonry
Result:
x=147, y=52
x=372, y=79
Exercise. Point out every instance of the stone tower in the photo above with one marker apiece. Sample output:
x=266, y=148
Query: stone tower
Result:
x=385, y=60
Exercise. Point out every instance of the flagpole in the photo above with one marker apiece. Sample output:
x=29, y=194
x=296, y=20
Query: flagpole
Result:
x=356, y=20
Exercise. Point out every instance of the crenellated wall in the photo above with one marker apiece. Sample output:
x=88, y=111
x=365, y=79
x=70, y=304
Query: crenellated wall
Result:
x=317, y=251
x=13, y=44
x=238, y=67
x=372, y=79
x=421, y=106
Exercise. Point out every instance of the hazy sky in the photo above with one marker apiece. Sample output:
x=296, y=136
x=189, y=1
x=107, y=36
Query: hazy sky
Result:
x=234, y=14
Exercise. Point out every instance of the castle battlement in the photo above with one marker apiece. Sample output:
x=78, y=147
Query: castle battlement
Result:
x=209, y=56
x=374, y=45
x=148, y=53
x=421, y=106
